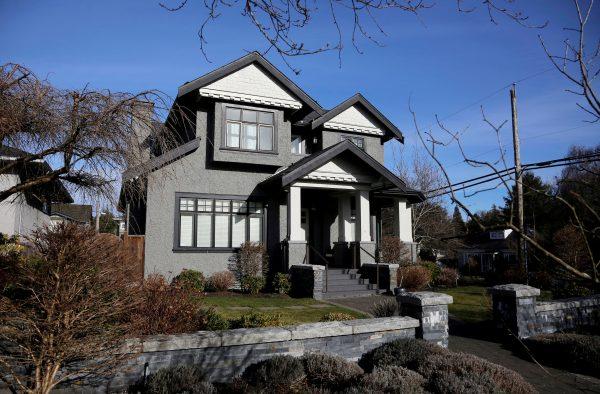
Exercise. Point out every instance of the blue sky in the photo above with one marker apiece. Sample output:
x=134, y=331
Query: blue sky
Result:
x=443, y=61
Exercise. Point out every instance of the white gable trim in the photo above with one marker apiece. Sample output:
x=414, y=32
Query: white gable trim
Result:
x=251, y=85
x=355, y=120
x=337, y=172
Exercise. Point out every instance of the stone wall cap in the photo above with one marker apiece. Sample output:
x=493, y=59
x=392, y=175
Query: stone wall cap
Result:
x=568, y=303
x=196, y=340
x=320, y=330
x=247, y=336
x=424, y=298
x=361, y=326
x=515, y=289
x=312, y=267
x=389, y=265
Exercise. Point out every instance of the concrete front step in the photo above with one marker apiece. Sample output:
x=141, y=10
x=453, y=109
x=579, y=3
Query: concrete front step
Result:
x=346, y=294
x=348, y=287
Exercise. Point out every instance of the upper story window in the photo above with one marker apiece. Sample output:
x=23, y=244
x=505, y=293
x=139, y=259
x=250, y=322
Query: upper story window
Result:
x=249, y=129
x=297, y=145
x=358, y=141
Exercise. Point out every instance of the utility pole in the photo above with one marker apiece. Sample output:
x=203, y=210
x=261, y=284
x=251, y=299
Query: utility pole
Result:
x=521, y=255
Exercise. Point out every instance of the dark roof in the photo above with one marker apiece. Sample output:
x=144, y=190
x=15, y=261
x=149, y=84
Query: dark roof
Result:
x=360, y=100
x=9, y=151
x=316, y=160
x=76, y=212
x=253, y=57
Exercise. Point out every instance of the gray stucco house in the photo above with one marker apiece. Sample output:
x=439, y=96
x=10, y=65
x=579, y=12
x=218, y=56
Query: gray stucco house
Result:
x=265, y=162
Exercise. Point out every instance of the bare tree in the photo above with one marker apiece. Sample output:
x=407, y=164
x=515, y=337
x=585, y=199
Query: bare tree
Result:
x=65, y=305
x=86, y=137
x=578, y=61
x=280, y=22
x=504, y=178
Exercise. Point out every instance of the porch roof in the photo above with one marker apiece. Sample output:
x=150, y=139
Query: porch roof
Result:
x=303, y=167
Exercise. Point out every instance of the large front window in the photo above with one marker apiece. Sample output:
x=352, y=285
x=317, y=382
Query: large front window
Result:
x=249, y=129
x=218, y=223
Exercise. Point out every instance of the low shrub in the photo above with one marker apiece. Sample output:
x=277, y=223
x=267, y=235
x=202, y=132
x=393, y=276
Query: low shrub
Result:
x=252, y=284
x=434, y=269
x=214, y=321
x=392, y=379
x=178, y=379
x=393, y=251
x=406, y=353
x=575, y=352
x=331, y=372
x=257, y=319
x=385, y=308
x=281, y=283
x=448, y=277
x=569, y=290
x=414, y=277
x=336, y=316
x=280, y=374
x=190, y=280
x=450, y=371
x=165, y=309
x=220, y=281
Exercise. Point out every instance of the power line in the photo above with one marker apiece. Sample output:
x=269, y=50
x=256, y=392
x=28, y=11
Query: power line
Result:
x=508, y=172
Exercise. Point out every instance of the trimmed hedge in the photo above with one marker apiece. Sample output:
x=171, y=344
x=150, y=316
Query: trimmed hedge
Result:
x=332, y=372
x=280, y=374
x=392, y=379
x=574, y=352
x=178, y=379
x=407, y=353
x=190, y=280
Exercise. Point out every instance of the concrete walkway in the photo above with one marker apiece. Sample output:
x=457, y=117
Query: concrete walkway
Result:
x=479, y=340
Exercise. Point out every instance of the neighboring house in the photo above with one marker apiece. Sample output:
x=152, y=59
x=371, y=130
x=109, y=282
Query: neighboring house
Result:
x=486, y=251
x=22, y=212
x=76, y=213
x=265, y=162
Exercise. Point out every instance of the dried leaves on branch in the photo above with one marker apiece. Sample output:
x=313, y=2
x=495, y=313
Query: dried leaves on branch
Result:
x=65, y=304
x=88, y=137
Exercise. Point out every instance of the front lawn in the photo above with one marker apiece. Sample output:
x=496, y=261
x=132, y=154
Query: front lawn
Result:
x=292, y=310
x=471, y=304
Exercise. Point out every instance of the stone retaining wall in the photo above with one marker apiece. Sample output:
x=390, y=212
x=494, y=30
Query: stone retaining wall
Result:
x=516, y=308
x=226, y=354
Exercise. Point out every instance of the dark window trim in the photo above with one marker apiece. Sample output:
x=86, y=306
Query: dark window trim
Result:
x=224, y=146
x=354, y=137
x=212, y=248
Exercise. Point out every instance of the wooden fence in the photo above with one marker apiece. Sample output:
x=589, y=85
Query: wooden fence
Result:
x=135, y=245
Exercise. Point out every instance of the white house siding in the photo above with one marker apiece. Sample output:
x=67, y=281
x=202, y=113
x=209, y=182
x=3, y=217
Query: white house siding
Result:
x=355, y=120
x=16, y=217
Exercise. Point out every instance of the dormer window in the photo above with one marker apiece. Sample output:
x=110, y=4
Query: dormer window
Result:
x=249, y=129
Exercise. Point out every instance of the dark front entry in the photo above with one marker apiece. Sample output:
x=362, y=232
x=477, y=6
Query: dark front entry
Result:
x=321, y=211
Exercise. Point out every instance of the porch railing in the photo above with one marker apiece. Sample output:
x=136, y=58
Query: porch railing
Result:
x=309, y=247
x=376, y=258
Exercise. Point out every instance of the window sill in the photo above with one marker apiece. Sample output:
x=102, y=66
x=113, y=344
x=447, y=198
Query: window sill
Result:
x=261, y=152
x=204, y=250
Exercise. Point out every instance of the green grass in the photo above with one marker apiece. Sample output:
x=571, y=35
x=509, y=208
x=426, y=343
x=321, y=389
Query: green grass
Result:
x=471, y=304
x=280, y=304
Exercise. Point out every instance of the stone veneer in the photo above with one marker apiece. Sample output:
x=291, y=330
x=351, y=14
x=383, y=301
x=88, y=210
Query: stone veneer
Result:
x=307, y=280
x=226, y=354
x=517, y=310
x=431, y=309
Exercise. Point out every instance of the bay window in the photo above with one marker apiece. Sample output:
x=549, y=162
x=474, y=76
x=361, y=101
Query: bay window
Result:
x=206, y=223
x=249, y=129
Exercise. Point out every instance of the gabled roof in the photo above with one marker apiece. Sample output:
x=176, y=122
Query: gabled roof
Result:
x=253, y=57
x=358, y=99
x=310, y=163
x=76, y=212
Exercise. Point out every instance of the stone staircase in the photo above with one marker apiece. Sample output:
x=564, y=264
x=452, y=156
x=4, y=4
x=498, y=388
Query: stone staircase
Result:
x=342, y=283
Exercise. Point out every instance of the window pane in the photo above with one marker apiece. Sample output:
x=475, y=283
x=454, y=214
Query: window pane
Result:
x=233, y=135
x=186, y=204
x=234, y=114
x=204, y=205
x=265, y=117
x=239, y=206
x=203, y=230
x=186, y=229
x=222, y=231
x=255, y=207
x=249, y=136
x=359, y=142
x=249, y=116
x=222, y=205
x=296, y=144
x=266, y=137
x=238, y=230
x=255, y=229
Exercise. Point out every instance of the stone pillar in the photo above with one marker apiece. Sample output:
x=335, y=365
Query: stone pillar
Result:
x=307, y=280
x=387, y=275
x=514, y=309
x=432, y=311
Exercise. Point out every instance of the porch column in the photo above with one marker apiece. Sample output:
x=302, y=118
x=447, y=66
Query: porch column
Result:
x=294, y=220
x=403, y=226
x=363, y=217
x=345, y=220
